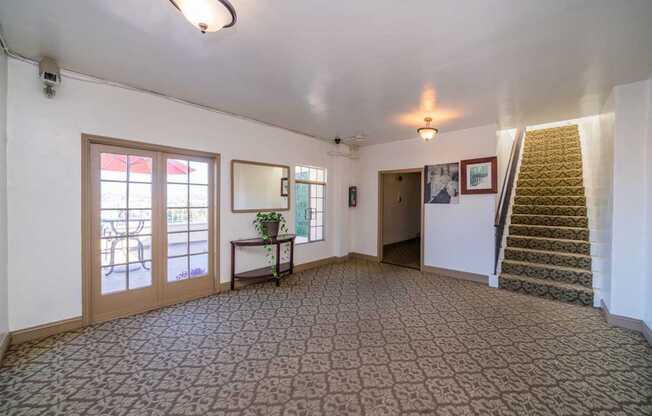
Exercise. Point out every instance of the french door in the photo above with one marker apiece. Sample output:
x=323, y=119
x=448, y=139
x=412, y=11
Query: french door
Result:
x=152, y=229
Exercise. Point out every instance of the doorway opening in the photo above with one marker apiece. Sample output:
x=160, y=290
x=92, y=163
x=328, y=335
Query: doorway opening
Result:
x=400, y=217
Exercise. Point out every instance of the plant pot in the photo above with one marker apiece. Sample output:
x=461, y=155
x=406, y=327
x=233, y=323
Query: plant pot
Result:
x=271, y=228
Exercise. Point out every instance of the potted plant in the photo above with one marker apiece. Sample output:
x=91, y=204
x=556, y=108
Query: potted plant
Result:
x=268, y=225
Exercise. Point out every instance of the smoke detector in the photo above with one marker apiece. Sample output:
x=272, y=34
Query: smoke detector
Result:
x=48, y=72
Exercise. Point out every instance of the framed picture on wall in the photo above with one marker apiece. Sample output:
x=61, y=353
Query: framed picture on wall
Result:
x=442, y=184
x=479, y=176
x=353, y=196
x=285, y=184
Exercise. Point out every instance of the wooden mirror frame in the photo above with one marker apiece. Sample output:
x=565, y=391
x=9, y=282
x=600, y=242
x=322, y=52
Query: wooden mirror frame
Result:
x=249, y=162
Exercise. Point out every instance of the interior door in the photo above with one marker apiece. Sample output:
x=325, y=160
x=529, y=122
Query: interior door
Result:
x=188, y=227
x=124, y=191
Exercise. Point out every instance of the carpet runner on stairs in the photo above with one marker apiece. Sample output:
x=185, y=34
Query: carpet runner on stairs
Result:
x=548, y=253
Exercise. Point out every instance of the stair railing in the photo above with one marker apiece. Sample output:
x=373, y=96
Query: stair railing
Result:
x=506, y=194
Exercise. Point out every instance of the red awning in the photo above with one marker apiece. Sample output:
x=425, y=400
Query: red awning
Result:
x=140, y=164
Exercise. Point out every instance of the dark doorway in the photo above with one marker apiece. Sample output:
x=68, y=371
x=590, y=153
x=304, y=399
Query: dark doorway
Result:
x=401, y=219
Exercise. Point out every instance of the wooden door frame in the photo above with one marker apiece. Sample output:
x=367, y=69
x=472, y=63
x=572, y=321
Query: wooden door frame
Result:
x=380, y=245
x=86, y=205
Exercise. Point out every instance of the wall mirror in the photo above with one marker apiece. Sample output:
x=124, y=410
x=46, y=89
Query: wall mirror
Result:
x=257, y=186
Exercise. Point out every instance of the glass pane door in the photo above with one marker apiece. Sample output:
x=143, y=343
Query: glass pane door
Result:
x=309, y=218
x=317, y=212
x=188, y=224
x=123, y=205
x=187, y=219
x=151, y=217
x=125, y=222
x=302, y=216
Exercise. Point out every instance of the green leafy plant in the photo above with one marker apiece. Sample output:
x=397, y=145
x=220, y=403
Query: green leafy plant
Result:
x=261, y=229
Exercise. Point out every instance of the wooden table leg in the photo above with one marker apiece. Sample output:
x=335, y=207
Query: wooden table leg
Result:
x=232, y=266
x=278, y=264
x=292, y=256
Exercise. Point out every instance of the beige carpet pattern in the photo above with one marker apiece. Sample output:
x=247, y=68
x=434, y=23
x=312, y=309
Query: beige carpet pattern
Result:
x=347, y=339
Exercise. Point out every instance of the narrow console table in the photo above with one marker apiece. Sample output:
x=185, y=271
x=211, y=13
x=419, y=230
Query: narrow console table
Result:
x=284, y=269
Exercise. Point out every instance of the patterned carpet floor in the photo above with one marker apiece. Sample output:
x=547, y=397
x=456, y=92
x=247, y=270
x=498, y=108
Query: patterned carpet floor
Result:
x=346, y=339
x=405, y=253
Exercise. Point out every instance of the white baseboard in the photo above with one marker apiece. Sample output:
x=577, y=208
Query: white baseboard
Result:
x=474, y=277
x=597, y=298
x=627, y=323
x=493, y=280
x=647, y=332
x=4, y=344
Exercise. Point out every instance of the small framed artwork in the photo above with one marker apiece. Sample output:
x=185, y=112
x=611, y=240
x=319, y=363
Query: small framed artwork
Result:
x=442, y=183
x=285, y=184
x=479, y=176
x=353, y=196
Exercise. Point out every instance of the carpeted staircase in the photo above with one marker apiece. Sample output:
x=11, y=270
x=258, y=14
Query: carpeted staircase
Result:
x=548, y=253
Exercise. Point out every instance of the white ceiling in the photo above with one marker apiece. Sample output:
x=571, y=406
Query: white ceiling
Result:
x=377, y=67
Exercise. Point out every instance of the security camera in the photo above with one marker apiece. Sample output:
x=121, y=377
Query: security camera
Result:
x=48, y=72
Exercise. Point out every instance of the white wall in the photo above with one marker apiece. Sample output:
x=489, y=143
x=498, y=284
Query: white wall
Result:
x=629, y=243
x=505, y=141
x=44, y=183
x=648, y=255
x=458, y=236
x=598, y=154
x=341, y=218
x=401, y=207
x=4, y=294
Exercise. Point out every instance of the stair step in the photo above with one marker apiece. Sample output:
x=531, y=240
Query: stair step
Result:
x=551, y=134
x=549, y=244
x=545, y=158
x=548, y=142
x=550, y=174
x=564, y=233
x=554, y=182
x=559, y=210
x=567, y=275
x=576, y=262
x=547, y=289
x=567, y=129
x=551, y=200
x=548, y=138
x=550, y=191
x=564, y=147
x=539, y=167
x=550, y=220
x=559, y=152
x=535, y=135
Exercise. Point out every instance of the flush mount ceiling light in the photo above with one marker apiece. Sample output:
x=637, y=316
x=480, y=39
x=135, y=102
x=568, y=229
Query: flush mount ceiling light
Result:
x=207, y=15
x=427, y=133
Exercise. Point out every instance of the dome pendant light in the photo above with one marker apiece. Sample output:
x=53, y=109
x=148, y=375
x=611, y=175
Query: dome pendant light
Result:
x=207, y=15
x=427, y=133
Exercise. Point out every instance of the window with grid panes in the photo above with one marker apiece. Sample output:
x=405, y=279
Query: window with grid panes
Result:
x=310, y=203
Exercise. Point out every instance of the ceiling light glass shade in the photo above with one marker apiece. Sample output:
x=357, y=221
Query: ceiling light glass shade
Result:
x=427, y=133
x=207, y=15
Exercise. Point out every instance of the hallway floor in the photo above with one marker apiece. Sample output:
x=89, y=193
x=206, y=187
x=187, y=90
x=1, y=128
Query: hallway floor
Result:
x=404, y=253
x=345, y=339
